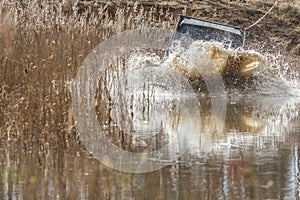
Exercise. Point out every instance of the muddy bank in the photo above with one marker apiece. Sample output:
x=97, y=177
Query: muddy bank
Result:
x=280, y=30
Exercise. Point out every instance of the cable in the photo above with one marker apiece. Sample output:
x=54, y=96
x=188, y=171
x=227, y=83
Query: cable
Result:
x=260, y=19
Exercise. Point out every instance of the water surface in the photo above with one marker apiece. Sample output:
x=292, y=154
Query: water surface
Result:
x=255, y=157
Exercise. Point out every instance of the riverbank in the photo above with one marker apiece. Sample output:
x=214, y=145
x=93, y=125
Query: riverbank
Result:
x=280, y=29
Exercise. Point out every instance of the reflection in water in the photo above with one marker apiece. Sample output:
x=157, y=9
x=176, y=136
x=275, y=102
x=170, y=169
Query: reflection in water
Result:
x=255, y=156
x=41, y=157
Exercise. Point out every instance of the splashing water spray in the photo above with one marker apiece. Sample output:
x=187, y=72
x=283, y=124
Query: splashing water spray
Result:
x=153, y=99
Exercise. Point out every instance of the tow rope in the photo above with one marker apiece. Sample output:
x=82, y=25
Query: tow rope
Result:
x=260, y=19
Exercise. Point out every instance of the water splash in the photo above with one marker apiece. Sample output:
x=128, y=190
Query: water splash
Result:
x=278, y=77
x=270, y=111
x=249, y=70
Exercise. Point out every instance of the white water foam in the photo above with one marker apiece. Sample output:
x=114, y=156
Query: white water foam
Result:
x=278, y=78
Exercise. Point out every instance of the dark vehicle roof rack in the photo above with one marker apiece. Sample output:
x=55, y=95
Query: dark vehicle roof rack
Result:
x=197, y=29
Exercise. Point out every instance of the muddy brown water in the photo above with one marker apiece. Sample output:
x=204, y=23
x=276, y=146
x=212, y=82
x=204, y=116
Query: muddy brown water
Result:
x=255, y=157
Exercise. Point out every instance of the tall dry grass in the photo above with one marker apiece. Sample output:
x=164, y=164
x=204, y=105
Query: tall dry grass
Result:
x=42, y=44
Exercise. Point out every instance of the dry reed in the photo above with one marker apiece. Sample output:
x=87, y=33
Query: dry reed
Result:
x=42, y=44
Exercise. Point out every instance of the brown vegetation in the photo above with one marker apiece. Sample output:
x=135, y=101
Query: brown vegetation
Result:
x=44, y=42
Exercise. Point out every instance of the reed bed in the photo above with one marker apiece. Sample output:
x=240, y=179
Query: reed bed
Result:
x=43, y=43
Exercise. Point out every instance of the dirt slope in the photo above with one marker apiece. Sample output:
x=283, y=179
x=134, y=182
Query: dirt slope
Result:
x=278, y=31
